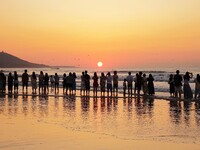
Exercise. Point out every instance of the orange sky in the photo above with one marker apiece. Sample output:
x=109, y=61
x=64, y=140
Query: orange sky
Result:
x=120, y=33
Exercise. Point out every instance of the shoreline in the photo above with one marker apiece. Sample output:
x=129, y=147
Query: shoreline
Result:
x=119, y=96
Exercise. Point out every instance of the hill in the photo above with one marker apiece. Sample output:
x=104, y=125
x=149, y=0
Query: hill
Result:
x=10, y=61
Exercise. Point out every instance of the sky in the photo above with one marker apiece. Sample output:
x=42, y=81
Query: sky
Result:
x=120, y=33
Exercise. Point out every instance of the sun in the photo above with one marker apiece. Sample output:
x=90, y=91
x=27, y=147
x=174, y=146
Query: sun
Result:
x=99, y=64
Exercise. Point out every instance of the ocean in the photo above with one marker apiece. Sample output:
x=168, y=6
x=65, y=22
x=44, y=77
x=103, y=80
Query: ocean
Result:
x=161, y=75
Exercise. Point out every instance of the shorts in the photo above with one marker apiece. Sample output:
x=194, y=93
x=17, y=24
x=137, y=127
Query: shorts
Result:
x=130, y=85
x=178, y=88
x=115, y=85
x=25, y=84
x=109, y=86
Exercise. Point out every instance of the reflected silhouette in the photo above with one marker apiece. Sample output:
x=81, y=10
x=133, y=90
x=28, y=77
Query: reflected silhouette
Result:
x=43, y=106
x=103, y=104
x=85, y=103
x=175, y=111
x=187, y=107
x=85, y=107
x=16, y=96
x=197, y=115
x=115, y=103
x=2, y=103
x=25, y=105
x=109, y=104
x=69, y=105
x=10, y=104
x=144, y=106
x=34, y=104
x=95, y=104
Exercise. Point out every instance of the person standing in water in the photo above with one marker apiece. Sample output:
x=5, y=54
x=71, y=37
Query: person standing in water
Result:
x=74, y=83
x=197, y=87
x=52, y=82
x=82, y=84
x=135, y=80
x=150, y=80
x=41, y=82
x=87, y=83
x=34, y=83
x=129, y=80
x=10, y=83
x=178, y=84
x=115, y=82
x=56, y=79
x=95, y=84
x=109, y=83
x=186, y=87
x=16, y=82
x=124, y=87
x=139, y=82
x=145, y=86
x=103, y=84
x=25, y=80
x=46, y=83
x=171, y=85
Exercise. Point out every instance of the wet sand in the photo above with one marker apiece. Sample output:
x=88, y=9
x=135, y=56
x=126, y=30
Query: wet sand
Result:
x=30, y=135
x=59, y=123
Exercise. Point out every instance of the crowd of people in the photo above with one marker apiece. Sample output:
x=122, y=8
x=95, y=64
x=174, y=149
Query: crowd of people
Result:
x=176, y=89
x=104, y=83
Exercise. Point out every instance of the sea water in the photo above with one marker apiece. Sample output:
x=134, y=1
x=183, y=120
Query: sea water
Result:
x=161, y=75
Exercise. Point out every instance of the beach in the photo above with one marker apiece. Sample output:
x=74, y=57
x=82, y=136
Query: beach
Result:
x=31, y=135
x=79, y=122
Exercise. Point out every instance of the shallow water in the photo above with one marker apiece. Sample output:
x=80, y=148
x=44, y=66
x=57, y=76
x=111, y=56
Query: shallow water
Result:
x=126, y=119
x=161, y=75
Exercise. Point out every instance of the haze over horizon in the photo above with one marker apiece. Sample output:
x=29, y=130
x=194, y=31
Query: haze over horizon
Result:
x=119, y=33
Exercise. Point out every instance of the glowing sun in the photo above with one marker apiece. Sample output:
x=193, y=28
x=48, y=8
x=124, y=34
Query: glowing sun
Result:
x=99, y=64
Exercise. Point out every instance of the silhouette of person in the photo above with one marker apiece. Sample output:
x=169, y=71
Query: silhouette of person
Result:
x=56, y=79
x=41, y=81
x=46, y=83
x=129, y=80
x=135, y=80
x=115, y=82
x=25, y=79
x=87, y=82
x=171, y=85
x=145, y=86
x=197, y=87
x=150, y=80
x=34, y=82
x=124, y=87
x=10, y=83
x=95, y=83
x=74, y=83
x=178, y=84
x=139, y=82
x=109, y=83
x=186, y=87
x=82, y=84
x=16, y=82
x=103, y=83
x=64, y=82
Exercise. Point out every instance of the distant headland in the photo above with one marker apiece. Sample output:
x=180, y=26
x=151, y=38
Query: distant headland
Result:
x=11, y=61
